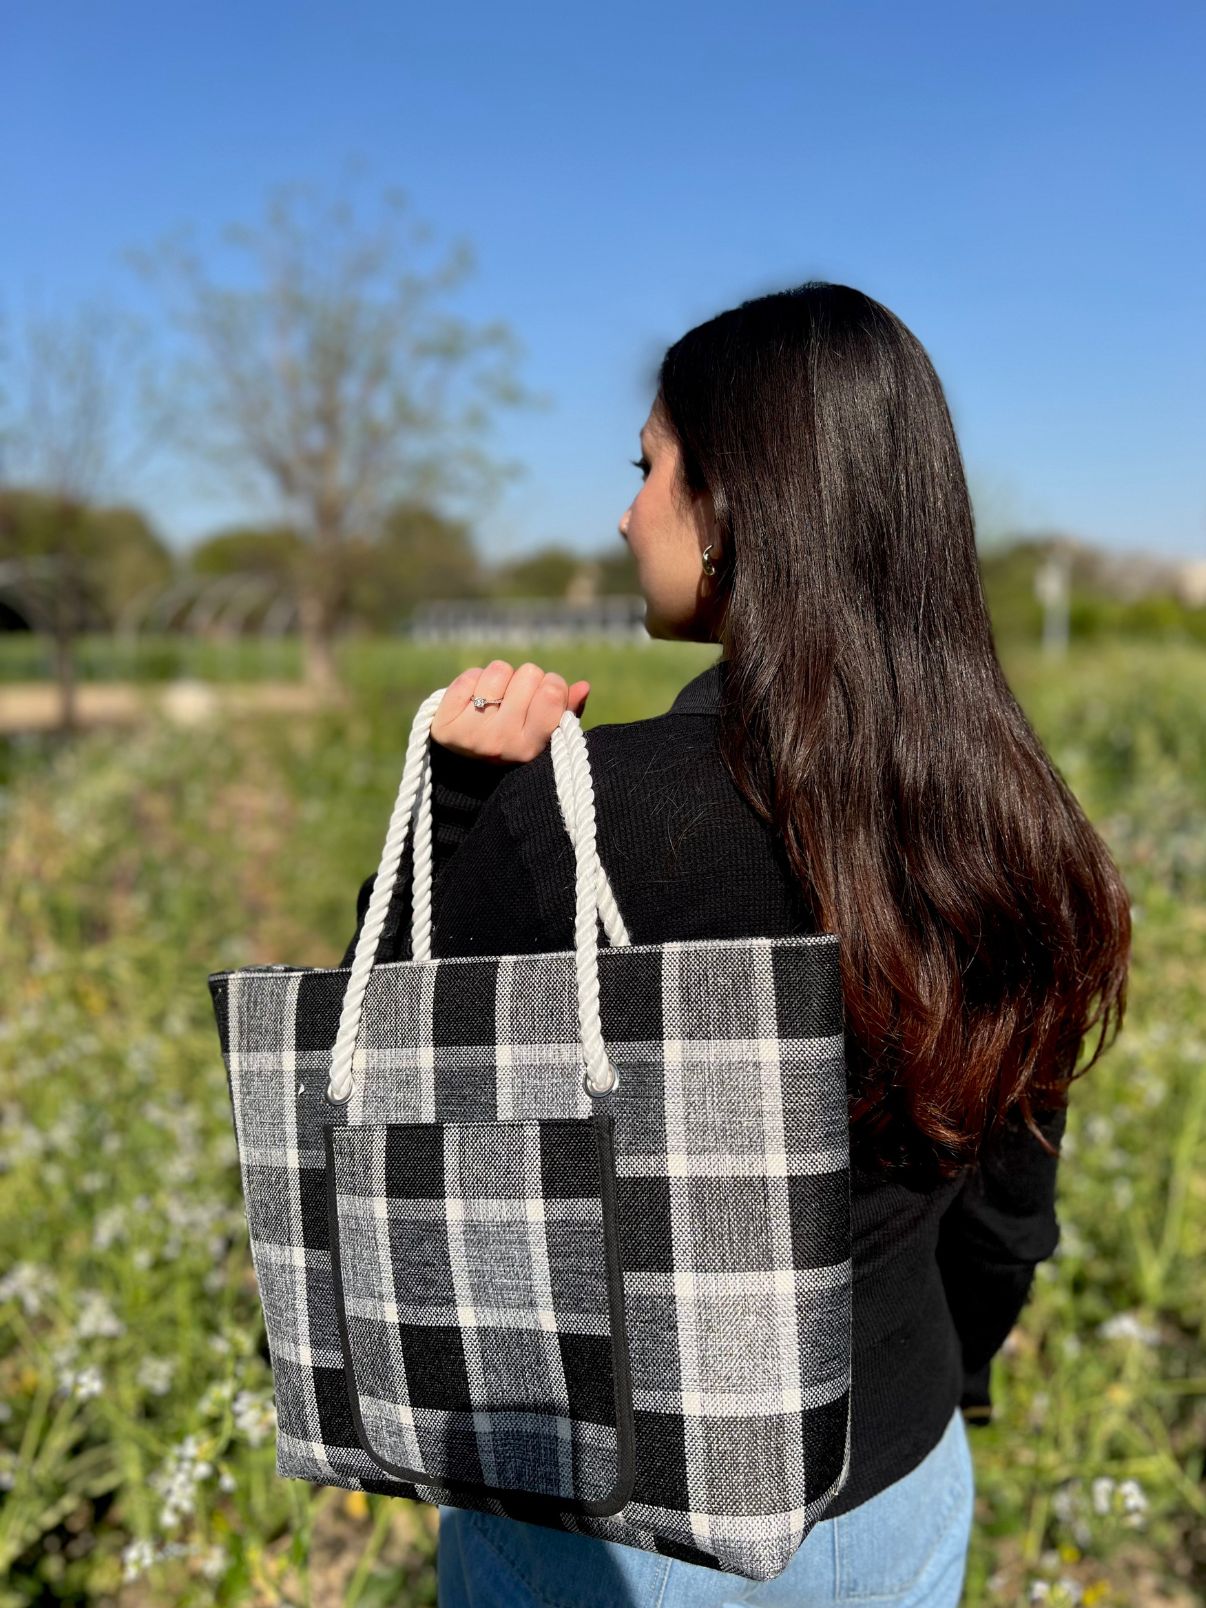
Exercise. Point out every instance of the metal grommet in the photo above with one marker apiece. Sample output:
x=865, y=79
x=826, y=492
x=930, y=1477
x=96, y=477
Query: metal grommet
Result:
x=594, y=1090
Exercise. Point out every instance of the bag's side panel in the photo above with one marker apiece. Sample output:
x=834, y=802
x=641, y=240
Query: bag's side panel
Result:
x=734, y=1191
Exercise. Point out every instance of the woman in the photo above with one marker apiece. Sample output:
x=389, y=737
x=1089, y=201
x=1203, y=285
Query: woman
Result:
x=854, y=763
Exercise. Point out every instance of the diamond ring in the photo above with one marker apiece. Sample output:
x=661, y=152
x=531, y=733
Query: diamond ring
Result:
x=480, y=703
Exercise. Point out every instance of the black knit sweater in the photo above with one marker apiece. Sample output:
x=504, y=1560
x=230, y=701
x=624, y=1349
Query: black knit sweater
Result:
x=941, y=1273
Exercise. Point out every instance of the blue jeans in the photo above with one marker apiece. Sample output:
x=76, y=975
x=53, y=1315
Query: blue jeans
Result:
x=905, y=1548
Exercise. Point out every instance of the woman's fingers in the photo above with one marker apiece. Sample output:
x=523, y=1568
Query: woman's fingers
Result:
x=578, y=694
x=545, y=708
x=516, y=729
x=549, y=702
x=457, y=698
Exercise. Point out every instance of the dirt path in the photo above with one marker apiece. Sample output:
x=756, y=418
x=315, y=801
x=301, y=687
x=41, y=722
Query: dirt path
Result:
x=34, y=705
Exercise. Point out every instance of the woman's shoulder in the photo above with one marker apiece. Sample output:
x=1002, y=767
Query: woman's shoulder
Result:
x=624, y=756
x=670, y=758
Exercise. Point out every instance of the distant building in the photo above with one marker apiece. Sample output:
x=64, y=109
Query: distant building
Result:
x=1126, y=574
x=1190, y=583
x=523, y=620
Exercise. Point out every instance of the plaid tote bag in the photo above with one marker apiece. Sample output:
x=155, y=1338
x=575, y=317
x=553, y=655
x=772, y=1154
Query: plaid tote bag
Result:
x=565, y=1236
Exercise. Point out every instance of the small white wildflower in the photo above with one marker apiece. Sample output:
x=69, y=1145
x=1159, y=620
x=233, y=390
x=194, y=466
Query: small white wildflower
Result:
x=63, y=1132
x=1072, y=1246
x=177, y=1480
x=193, y=1217
x=142, y=1257
x=254, y=1416
x=88, y=1382
x=1069, y=1506
x=1066, y=1501
x=1152, y=1091
x=216, y=1397
x=1129, y=1326
x=1124, y=1500
x=178, y=1169
x=155, y=1374
x=137, y=1557
x=1103, y=1490
x=213, y=1561
x=109, y=1227
x=1134, y=1502
x=30, y=1284
x=140, y=1056
x=97, y=1319
x=26, y=1143
x=190, y=1449
x=227, y=1481
x=1040, y=1591
x=1097, y=1129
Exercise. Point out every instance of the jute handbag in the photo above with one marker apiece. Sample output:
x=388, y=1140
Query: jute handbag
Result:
x=559, y=1236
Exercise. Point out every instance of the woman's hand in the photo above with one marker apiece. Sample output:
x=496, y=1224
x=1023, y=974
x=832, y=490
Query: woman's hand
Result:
x=519, y=728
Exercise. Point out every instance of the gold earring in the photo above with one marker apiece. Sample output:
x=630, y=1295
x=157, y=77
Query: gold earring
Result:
x=708, y=567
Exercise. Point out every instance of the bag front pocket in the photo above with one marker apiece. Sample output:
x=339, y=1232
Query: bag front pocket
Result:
x=480, y=1305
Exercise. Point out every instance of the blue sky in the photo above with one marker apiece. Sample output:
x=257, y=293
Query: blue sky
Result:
x=1022, y=184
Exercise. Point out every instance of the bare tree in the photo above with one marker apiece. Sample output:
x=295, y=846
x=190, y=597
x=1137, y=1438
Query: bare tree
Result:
x=330, y=378
x=73, y=430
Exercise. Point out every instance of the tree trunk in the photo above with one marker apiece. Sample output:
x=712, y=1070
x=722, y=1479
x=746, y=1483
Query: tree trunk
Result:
x=319, y=669
x=68, y=610
x=319, y=608
x=65, y=676
x=67, y=619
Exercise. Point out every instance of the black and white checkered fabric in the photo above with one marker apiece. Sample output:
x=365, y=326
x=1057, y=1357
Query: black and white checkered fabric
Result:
x=627, y=1316
x=481, y=1329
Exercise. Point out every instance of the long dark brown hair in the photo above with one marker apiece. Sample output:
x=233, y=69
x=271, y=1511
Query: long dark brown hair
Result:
x=984, y=925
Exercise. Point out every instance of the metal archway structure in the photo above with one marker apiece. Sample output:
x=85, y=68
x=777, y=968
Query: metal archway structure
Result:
x=208, y=605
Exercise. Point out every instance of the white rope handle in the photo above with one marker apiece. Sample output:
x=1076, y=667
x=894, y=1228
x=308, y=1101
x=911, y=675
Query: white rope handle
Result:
x=593, y=892
x=593, y=895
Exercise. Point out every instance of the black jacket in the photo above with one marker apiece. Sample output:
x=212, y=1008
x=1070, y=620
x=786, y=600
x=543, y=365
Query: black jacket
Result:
x=941, y=1273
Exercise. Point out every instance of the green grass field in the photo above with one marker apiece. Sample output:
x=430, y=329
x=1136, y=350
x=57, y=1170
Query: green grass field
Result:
x=136, y=1456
